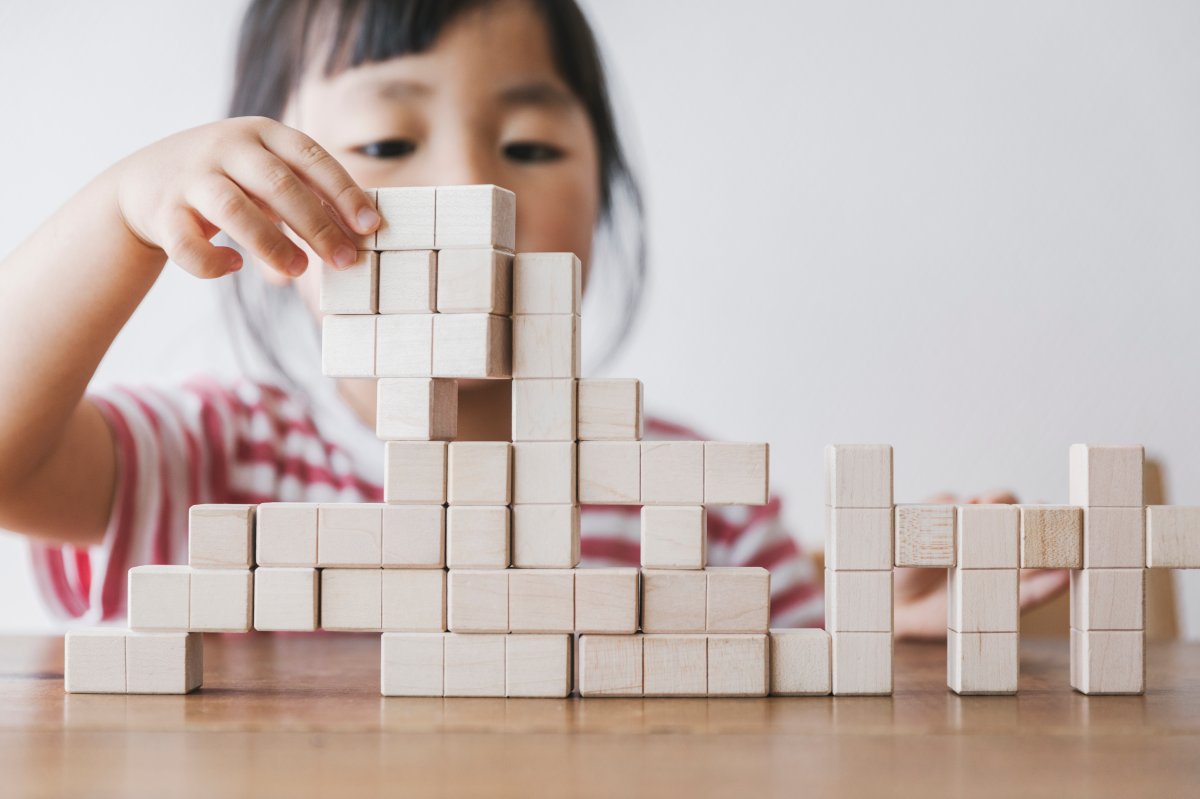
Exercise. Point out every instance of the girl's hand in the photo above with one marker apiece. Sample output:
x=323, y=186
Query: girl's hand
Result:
x=242, y=176
x=920, y=594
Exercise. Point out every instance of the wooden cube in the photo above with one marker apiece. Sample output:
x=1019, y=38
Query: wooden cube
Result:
x=411, y=664
x=609, y=665
x=610, y=410
x=541, y=600
x=221, y=600
x=1107, y=477
x=543, y=410
x=735, y=473
x=285, y=534
x=610, y=472
x=858, y=601
x=477, y=537
x=545, y=345
x=163, y=663
x=545, y=536
x=353, y=290
x=1108, y=599
x=472, y=345
x=159, y=598
x=1051, y=537
x=858, y=476
x=862, y=663
x=408, y=218
x=350, y=534
x=988, y=537
x=1108, y=661
x=673, y=472
x=547, y=283
x=474, y=665
x=480, y=473
x=1114, y=538
x=476, y=216
x=414, y=600
x=414, y=536
x=674, y=537
x=404, y=345
x=348, y=346
x=738, y=665
x=94, y=661
x=415, y=473
x=221, y=536
x=351, y=599
x=738, y=599
x=674, y=601
x=543, y=473
x=799, y=662
x=477, y=600
x=674, y=665
x=982, y=663
x=408, y=282
x=606, y=600
x=417, y=409
x=925, y=535
x=983, y=601
x=537, y=665
x=475, y=281
x=286, y=599
x=858, y=539
x=1173, y=537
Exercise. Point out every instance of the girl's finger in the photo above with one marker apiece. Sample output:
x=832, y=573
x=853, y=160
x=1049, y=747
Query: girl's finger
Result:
x=1039, y=586
x=186, y=244
x=223, y=203
x=994, y=498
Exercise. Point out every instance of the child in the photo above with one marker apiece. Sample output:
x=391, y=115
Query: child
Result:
x=416, y=92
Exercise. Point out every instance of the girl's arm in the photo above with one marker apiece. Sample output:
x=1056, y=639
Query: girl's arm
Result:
x=67, y=291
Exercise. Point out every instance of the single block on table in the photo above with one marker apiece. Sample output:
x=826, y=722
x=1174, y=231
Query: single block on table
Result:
x=285, y=534
x=541, y=600
x=474, y=665
x=404, y=345
x=545, y=536
x=983, y=601
x=610, y=472
x=674, y=537
x=674, y=665
x=348, y=346
x=416, y=409
x=1114, y=538
x=609, y=665
x=735, y=473
x=475, y=281
x=163, y=663
x=411, y=664
x=610, y=409
x=981, y=662
x=738, y=599
x=221, y=601
x=350, y=534
x=738, y=665
x=477, y=600
x=545, y=345
x=537, y=665
x=159, y=597
x=858, y=601
x=472, y=345
x=480, y=473
x=94, y=661
x=1172, y=537
x=414, y=536
x=476, y=216
x=353, y=290
x=415, y=472
x=544, y=473
x=221, y=536
x=543, y=410
x=547, y=283
x=1108, y=599
x=672, y=472
x=858, y=476
x=408, y=282
x=1051, y=537
x=351, y=599
x=286, y=599
x=477, y=537
x=414, y=600
x=799, y=662
x=858, y=539
x=925, y=535
x=988, y=537
x=1107, y=477
x=862, y=663
x=674, y=601
x=408, y=218
x=606, y=600
x=1108, y=661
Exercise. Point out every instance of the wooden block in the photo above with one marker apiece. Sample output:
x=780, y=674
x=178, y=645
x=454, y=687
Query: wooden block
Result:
x=163, y=663
x=674, y=537
x=1173, y=537
x=862, y=663
x=1107, y=477
x=408, y=218
x=475, y=281
x=545, y=536
x=411, y=664
x=735, y=473
x=739, y=599
x=609, y=665
x=221, y=600
x=610, y=472
x=925, y=535
x=545, y=345
x=476, y=216
x=477, y=537
x=858, y=601
x=543, y=473
x=738, y=665
x=286, y=599
x=285, y=534
x=221, y=536
x=858, y=476
x=537, y=665
x=1051, y=537
x=610, y=410
x=480, y=473
x=477, y=600
x=1114, y=538
x=547, y=283
x=988, y=537
x=858, y=539
x=348, y=346
x=1108, y=599
x=408, y=282
x=351, y=599
x=414, y=600
x=543, y=410
x=472, y=345
x=983, y=601
x=353, y=290
x=94, y=661
x=404, y=345
x=350, y=534
x=474, y=665
x=414, y=536
x=417, y=409
x=1108, y=661
x=415, y=473
x=159, y=597
x=541, y=600
x=673, y=472
x=606, y=600
x=799, y=662
x=674, y=665
x=674, y=601
x=982, y=663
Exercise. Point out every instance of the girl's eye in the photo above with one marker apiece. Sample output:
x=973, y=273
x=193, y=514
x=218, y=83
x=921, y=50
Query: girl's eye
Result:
x=531, y=152
x=391, y=148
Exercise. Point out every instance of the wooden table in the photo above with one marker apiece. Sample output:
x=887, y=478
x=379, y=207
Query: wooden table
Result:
x=302, y=715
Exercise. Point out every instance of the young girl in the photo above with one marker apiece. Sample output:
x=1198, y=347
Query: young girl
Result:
x=329, y=96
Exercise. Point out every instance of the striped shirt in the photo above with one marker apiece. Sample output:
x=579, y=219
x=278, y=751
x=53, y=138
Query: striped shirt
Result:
x=206, y=441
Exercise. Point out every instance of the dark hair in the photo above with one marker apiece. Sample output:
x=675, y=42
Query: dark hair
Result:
x=279, y=37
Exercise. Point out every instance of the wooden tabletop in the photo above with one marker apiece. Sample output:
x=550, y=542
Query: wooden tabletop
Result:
x=301, y=715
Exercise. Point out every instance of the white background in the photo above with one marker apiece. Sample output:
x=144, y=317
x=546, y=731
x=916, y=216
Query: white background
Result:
x=968, y=229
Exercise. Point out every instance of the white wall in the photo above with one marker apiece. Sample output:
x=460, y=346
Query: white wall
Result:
x=971, y=230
